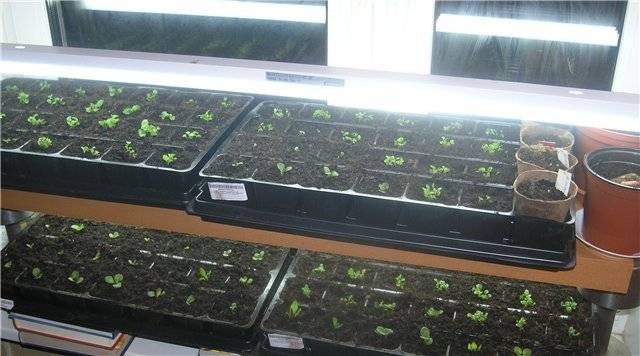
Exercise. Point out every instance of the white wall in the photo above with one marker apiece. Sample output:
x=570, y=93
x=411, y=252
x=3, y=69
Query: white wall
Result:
x=626, y=76
x=24, y=21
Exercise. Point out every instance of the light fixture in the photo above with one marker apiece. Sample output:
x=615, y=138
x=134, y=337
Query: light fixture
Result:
x=529, y=29
x=260, y=10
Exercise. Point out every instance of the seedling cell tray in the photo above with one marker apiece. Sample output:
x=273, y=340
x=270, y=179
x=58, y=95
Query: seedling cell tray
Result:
x=111, y=141
x=190, y=290
x=437, y=184
x=331, y=305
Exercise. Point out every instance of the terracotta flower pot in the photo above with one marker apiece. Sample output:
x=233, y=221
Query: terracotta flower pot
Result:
x=590, y=138
x=524, y=165
x=545, y=209
x=527, y=132
x=611, y=209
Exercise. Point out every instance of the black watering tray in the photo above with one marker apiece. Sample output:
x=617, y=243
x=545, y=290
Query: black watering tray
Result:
x=436, y=184
x=111, y=141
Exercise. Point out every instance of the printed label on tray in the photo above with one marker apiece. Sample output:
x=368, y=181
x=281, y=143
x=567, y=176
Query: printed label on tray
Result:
x=228, y=191
x=286, y=341
x=563, y=182
x=6, y=304
x=563, y=157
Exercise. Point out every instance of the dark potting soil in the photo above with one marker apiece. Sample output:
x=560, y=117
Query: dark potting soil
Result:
x=611, y=170
x=541, y=189
x=89, y=149
x=233, y=166
x=11, y=139
x=545, y=158
x=148, y=260
x=386, y=185
x=488, y=198
x=183, y=157
x=361, y=306
x=56, y=144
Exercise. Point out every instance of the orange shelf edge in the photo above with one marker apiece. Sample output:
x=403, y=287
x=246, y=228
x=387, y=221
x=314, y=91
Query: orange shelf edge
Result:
x=593, y=270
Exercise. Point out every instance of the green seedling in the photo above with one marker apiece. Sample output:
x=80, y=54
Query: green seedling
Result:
x=474, y=347
x=351, y=137
x=494, y=133
x=491, y=148
x=573, y=332
x=203, y=274
x=110, y=122
x=294, y=310
x=521, y=351
x=10, y=140
x=393, y=160
x=485, y=171
x=258, y=256
x=36, y=273
x=169, y=158
x=485, y=199
x=402, y=122
x=35, y=120
x=148, y=129
x=226, y=253
x=363, y=116
x=75, y=277
x=114, y=235
x=152, y=95
x=526, y=300
x=283, y=168
x=521, y=323
x=320, y=114
x=302, y=133
x=382, y=331
x=77, y=227
x=72, y=121
x=130, y=150
x=425, y=335
x=400, y=142
x=319, y=268
x=55, y=100
x=191, y=135
x=8, y=264
x=280, y=113
x=134, y=262
x=44, y=142
x=130, y=110
x=91, y=151
x=237, y=164
x=2, y=115
x=453, y=127
x=348, y=300
x=335, y=323
x=190, y=300
x=167, y=116
x=383, y=187
x=246, y=280
x=441, y=285
x=328, y=172
x=356, y=274
x=233, y=307
x=113, y=91
x=306, y=291
x=12, y=88
x=481, y=292
x=569, y=305
x=80, y=92
x=385, y=306
x=478, y=316
x=96, y=257
x=225, y=103
x=431, y=192
x=446, y=141
x=432, y=312
x=206, y=116
x=438, y=171
x=155, y=293
x=23, y=98
x=44, y=85
x=114, y=281
x=264, y=127
x=95, y=106
x=400, y=281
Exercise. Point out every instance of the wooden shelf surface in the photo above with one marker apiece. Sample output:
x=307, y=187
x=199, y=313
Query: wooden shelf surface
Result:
x=593, y=270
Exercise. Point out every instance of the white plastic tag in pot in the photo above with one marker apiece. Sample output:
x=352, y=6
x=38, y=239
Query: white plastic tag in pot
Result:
x=563, y=157
x=563, y=181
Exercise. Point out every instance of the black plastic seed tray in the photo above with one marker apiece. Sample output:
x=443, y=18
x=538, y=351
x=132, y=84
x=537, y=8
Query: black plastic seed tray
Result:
x=352, y=209
x=69, y=166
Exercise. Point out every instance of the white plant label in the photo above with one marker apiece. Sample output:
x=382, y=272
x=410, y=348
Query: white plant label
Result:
x=228, y=191
x=6, y=304
x=563, y=157
x=563, y=181
x=286, y=342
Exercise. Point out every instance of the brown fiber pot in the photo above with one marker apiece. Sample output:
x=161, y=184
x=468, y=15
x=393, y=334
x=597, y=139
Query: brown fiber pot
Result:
x=524, y=166
x=546, y=130
x=590, y=138
x=551, y=210
x=612, y=210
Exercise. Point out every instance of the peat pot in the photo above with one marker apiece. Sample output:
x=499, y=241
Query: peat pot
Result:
x=546, y=209
x=612, y=206
x=526, y=165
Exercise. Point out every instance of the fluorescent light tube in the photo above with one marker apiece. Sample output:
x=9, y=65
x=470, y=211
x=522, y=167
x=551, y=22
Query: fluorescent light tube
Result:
x=529, y=29
x=216, y=8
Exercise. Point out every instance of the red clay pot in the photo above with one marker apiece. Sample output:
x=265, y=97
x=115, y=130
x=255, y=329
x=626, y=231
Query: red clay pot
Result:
x=589, y=139
x=612, y=210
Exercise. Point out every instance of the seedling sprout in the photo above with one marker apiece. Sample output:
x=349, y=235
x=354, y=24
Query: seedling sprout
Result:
x=75, y=277
x=72, y=121
x=44, y=142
